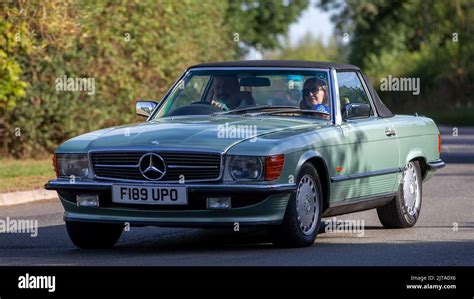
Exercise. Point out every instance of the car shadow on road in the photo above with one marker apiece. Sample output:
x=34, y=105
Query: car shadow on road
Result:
x=158, y=246
x=153, y=238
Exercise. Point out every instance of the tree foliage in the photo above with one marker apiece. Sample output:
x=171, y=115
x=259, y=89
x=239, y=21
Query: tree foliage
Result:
x=11, y=86
x=430, y=39
x=259, y=23
x=132, y=49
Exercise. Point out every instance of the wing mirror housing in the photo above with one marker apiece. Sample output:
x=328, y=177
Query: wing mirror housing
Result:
x=144, y=108
x=356, y=110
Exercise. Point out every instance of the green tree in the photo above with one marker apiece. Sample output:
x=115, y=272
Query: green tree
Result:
x=132, y=49
x=429, y=39
x=260, y=23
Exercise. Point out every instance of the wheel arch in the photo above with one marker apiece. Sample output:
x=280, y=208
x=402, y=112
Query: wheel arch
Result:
x=423, y=165
x=418, y=155
x=315, y=158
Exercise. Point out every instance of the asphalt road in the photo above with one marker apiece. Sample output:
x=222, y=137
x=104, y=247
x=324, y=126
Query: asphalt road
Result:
x=444, y=234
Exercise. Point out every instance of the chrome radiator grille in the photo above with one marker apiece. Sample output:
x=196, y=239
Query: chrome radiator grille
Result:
x=125, y=166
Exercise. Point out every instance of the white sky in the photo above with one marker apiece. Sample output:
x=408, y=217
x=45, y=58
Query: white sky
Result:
x=313, y=20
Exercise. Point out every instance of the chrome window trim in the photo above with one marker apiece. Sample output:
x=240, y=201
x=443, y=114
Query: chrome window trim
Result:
x=336, y=103
x=158, y=107
x=156, y=150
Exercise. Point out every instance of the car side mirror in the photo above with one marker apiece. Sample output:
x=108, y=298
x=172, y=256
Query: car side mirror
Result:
x=356, y=110
x=144, y=108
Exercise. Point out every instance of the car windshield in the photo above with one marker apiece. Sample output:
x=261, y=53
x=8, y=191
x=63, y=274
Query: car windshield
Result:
x=249, y=91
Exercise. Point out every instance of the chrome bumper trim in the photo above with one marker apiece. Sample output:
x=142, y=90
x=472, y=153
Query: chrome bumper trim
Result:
x=59, y=184
x=436, y=164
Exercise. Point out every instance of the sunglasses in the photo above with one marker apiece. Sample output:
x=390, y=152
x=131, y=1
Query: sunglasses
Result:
x=314, y=90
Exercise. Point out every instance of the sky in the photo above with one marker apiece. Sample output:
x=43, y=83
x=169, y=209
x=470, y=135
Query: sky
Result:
x=313, y=20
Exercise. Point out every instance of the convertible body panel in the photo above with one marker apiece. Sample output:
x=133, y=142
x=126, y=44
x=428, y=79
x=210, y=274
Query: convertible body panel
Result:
x=362, y=158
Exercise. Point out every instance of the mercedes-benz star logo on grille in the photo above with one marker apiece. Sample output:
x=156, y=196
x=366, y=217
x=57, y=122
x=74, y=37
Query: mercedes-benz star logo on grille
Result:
x=152, y=166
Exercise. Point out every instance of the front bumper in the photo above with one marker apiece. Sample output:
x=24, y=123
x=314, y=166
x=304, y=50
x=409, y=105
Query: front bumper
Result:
x=252, y=205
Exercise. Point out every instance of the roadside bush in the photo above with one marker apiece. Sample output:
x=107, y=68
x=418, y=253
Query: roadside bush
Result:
x=131, y=49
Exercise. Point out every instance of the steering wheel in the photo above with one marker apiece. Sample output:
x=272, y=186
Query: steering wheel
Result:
x=196, y=108
x=215, y=103
x=199, y=102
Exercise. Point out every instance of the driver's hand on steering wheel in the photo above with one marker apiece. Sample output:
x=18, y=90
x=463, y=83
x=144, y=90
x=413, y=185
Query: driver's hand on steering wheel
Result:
x=219, y=105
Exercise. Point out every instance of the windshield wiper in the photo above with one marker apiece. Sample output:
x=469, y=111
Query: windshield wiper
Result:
x=264, y=107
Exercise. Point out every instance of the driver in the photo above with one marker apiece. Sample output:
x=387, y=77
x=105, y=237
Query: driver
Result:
x=226, y=93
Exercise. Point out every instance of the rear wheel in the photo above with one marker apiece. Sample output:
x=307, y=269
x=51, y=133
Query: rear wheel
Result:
x=93, y=235
x=303, y=214
x=404, y=210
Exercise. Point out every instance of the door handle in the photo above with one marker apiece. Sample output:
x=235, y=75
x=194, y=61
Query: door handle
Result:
x=390, y=132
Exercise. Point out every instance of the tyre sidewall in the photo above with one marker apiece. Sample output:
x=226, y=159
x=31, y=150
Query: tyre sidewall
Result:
x=291, y=213
x=410, y=219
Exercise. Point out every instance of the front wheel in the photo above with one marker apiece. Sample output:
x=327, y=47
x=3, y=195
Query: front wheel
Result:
x=93, y=235
x=303, y=214
x=404, y=210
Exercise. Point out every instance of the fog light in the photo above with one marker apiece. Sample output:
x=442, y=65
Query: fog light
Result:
x=87, y=200
x=218, y=203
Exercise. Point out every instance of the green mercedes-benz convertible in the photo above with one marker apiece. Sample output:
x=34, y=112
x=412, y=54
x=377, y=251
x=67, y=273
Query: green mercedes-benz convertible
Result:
x=279, y=144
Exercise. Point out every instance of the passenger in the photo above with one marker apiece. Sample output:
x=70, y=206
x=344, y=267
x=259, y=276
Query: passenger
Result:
x=315, y=96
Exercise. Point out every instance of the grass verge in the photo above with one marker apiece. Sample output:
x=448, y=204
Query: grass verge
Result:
x=21, y=175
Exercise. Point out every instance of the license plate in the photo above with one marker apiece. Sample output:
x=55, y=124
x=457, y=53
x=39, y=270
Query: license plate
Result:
x=149, y=195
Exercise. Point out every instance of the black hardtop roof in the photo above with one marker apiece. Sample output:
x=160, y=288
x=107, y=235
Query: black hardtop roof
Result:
x=279, y=63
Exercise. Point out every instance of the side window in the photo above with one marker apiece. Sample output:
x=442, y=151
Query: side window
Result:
x=351, y=89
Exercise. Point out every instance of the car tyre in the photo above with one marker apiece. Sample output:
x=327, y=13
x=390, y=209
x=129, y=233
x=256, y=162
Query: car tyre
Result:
x=404, y=210
x=93, y=235
x=302, y=218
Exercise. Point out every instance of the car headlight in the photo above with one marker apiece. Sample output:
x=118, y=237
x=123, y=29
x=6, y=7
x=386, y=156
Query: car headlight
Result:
x=245, y=167
x=76, y=165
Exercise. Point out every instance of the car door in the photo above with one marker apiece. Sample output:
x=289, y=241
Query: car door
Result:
x=371, y=145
